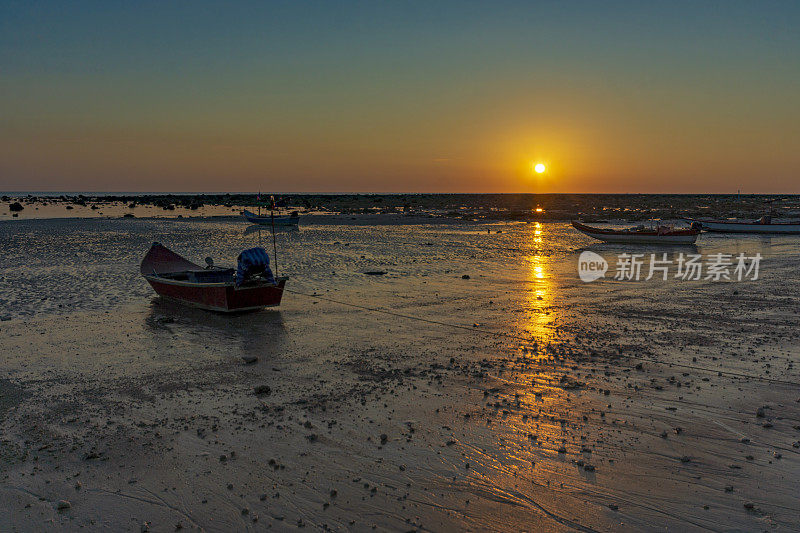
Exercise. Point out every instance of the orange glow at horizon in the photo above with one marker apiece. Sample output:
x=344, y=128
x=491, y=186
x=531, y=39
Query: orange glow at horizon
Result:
x=400, y=99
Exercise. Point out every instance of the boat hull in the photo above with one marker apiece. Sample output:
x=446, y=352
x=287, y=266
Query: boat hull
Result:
x=268, y=221
x=220, y=297
x=177, y=278
x=629, y=237
x=721, y=226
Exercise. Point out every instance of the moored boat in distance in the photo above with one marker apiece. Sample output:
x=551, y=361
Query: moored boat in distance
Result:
x=641, y=234
x=292, y=219
x=250, y=287
x=763, y=226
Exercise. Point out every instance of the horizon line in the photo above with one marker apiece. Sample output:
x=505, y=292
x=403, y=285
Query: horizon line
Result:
x=331, y=193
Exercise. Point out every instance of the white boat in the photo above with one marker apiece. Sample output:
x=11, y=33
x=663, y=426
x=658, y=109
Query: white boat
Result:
x=641, y=234
x=763, y=226
x=293, y=219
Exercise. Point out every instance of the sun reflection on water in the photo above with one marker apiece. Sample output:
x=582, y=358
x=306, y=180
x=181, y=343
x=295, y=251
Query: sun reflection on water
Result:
x=538, y=298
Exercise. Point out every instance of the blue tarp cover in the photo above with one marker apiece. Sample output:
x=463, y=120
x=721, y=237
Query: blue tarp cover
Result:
x=253, y=261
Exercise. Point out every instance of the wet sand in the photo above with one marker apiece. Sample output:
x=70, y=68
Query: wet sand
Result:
x=518, y=399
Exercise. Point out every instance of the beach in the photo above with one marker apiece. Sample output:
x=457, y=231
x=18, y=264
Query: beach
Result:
x=399, y=266
x=478, y=384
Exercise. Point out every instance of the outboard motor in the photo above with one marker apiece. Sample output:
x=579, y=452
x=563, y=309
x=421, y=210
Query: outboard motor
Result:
x=251, y=263
x=696, y=226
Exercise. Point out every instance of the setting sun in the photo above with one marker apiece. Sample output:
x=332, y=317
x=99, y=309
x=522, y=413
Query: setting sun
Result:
x=539, y=168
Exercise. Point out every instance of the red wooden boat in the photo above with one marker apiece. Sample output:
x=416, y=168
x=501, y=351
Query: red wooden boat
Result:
x=211, y=288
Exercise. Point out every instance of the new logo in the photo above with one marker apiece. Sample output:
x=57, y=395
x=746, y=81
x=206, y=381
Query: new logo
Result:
x=591, y=266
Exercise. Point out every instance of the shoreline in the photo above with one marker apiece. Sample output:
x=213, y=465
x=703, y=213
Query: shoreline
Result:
x=477, y=207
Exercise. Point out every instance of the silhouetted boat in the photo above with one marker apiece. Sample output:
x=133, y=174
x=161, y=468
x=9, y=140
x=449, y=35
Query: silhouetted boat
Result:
x=763, y=226
x=641, y=234
x=211, y=288
x=293, y=219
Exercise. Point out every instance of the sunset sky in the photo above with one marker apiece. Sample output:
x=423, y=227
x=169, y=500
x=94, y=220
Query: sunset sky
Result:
x=400, y=96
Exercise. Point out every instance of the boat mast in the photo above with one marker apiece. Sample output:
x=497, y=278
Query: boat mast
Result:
x=274, y=246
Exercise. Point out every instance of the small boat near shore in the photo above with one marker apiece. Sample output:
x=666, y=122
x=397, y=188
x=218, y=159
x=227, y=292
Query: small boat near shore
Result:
x=641, y=234
x=292, y=219
x=249, y=287
x=762, y=226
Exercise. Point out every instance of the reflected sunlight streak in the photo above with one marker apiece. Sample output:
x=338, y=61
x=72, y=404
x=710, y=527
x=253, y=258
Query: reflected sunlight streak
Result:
x=539, y=297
